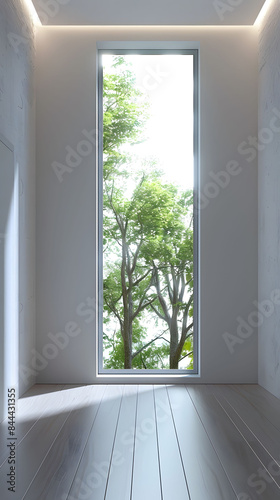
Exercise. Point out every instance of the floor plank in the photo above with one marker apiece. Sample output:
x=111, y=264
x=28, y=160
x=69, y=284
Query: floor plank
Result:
x=146, y=482
x=265, y=403
x=233, y=450
x=29, y=410
x=120, y=474
x=268, y=463
x=205, y=474
x=145, y=443
x=91, y=476
x=174, y=483
x=32, y=450
x=55, y=474
x=263, y=430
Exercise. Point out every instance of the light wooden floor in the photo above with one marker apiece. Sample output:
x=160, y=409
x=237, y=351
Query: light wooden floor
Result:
x=145, y=443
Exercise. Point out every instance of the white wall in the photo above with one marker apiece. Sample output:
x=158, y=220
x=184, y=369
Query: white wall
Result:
x=8, y=274
x=269, y=189
x=17, y=125
x=66, y=211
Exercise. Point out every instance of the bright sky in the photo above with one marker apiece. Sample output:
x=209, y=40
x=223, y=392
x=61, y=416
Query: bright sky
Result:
x=168, y=82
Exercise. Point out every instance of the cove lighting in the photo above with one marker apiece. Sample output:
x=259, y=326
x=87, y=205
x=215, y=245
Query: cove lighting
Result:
x=33, y=13
x=265, y=8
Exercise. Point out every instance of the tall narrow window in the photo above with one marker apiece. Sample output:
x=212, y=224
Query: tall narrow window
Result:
x=147, y=173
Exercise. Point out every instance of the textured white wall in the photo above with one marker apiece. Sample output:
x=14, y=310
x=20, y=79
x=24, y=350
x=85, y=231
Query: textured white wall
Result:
x=269, y=198
x=66, y=211
x=17, y=124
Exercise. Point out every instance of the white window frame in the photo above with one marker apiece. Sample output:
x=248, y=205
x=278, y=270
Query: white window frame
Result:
x=133, y=375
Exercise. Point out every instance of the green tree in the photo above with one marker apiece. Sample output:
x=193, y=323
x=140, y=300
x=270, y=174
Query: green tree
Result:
x=126, y=287
x=167, y=222
x=124, y=116
x=147, y=242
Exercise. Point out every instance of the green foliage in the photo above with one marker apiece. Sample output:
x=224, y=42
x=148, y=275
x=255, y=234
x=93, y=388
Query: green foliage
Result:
x=150, y=358
x=148, y=242
x=187, y=352
x=124, y=115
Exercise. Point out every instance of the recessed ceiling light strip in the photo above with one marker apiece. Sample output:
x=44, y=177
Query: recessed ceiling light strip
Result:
x=264, y=11
x=33, y=12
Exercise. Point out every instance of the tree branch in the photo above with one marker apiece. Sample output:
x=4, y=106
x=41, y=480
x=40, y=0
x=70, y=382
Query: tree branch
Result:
x=143, y=363
x=114, y=311
x=146, y=345
x=183, y=287
x=158, y=313
x=169, y=288
x=117, y=216
x=189, y=353
x=183, y=338
x=142, y=306
x=160, y=297
x=142, y=278
x=136, y=255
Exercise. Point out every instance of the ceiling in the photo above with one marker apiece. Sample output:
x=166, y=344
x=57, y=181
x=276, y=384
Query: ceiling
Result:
x=148, y=12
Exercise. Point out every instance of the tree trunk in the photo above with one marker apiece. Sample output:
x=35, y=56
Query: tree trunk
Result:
x=173, y=358
x=126, y=331
x=174, y=363
x=127, y=340
x=127, y=334
x=127, y=353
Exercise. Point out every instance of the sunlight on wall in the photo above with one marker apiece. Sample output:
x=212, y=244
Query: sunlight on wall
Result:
x=8, y=274
x=11, y=290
